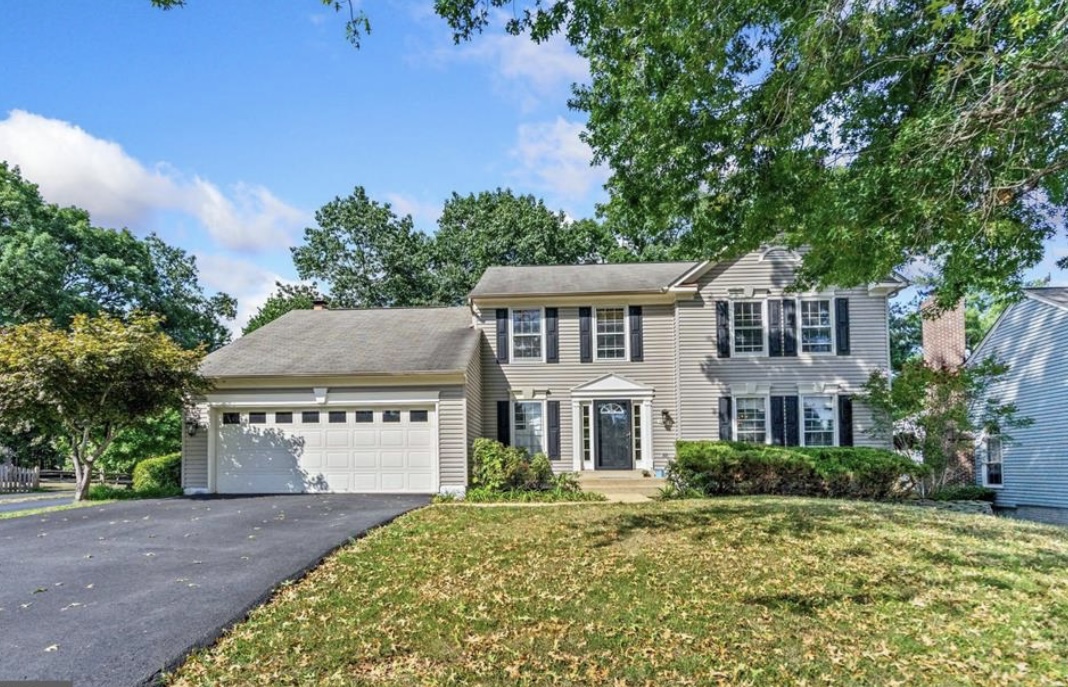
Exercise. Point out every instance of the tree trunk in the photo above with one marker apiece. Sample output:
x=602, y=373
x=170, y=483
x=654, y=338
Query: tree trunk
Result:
x=83, y=478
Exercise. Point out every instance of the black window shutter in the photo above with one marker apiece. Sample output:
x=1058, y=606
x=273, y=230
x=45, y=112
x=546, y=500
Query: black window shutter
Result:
x=637, y=354
x=552, y=409
x=841, y=324
x=775, y=328
x=585, y=335
x=845, y=420
x=791, y=426
x=502, y=335
x=504, y=424
x=552, y=335
x=723, y=329
x=778, y=421
x=789, y=327
x=724, y=418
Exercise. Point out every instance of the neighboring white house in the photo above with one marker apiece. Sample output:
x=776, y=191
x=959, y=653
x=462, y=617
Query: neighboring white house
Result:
x=601, y=367
x=1029, y=468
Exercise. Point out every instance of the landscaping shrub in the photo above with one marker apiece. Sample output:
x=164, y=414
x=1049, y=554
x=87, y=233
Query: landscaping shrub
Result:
x=162, y=473
x=107, y=492
x=969, y=492
x=717, y=468
x=499, y=469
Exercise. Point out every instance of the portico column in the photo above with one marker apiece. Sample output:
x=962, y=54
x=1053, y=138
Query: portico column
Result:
x=576, y=435
x=647, y=434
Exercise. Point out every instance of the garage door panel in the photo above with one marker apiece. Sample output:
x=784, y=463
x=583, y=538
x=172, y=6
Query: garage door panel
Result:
x=351, y=456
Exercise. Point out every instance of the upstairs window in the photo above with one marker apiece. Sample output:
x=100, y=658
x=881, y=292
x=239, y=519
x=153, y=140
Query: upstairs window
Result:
x=992, y=462
x=611, y=334
x=748, y=327
x=816, y=329
x=819, y=417
x=527, y=334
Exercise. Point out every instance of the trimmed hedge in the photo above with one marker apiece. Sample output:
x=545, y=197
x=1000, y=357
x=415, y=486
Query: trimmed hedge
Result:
x=967, y=492
x=159, y=474
x=721, y=468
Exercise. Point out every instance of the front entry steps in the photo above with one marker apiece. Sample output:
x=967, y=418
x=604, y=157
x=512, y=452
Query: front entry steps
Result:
x=622, y=486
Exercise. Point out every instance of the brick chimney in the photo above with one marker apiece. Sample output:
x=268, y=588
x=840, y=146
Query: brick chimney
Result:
x=943, y=336
x=319, y=304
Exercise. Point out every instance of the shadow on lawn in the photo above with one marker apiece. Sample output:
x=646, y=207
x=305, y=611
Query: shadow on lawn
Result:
x=778, y=518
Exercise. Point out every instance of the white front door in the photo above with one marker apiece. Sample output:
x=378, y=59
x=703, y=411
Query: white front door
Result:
x=380, y=449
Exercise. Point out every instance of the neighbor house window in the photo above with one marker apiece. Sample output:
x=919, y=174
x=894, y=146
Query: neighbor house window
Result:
x=818, y=420
x=526, y=334
x=992, y=462
x=751, y=420
x=257, y=418
x=529, y=430
x=816, y=330
x=587, y=434
x=749, y=327
x=231, y=418
x=365, y=416
x=336, y=416
x=611, y=334
x=283, y=418
x=418, y=416
x=309, y=417
x=391, y=416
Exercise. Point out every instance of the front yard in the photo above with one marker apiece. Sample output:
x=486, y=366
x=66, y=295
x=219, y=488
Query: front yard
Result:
x=751, y=591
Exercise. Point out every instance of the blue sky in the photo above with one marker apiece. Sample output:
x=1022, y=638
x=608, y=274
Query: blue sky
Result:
x=224, y=125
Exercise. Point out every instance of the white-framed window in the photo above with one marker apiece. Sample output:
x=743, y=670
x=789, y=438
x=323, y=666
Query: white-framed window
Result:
x=751, y=419
x=527, y=334
x=528, y=426
x=748, y=325
x=992, y=463
x=587, y=431
x=819, y=420
x=817, y=326
x=610, y=328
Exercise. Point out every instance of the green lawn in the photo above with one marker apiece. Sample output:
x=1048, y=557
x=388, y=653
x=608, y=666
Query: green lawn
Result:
x=50, y=509
x=746, y=591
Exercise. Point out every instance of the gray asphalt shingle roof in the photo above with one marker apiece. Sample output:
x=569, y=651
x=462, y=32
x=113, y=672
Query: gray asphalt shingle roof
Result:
x=1058, y=295
x=580, y=279
x=351, y=342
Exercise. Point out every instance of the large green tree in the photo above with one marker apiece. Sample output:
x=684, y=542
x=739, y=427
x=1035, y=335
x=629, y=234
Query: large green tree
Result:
x=54, y=264
x=285, y=298
x=83, y=385
x=876, y=133
x=501, y=228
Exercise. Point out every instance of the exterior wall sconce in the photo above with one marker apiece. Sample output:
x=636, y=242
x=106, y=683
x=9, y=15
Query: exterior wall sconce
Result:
x=192, y=422
x=667, y=420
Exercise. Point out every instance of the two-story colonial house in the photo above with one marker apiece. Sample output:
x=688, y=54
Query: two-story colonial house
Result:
x=601, y=367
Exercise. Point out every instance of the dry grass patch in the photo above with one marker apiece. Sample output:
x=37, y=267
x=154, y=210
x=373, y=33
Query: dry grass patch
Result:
x=740, y=591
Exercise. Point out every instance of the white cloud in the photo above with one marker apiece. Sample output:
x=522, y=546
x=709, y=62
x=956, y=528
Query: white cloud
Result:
x=528, y=71
x=73, y=167
x=553, y=157
x=425, y=214
x=249, y=283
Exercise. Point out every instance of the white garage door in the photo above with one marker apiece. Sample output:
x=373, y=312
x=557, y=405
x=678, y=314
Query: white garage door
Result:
x=337, y=449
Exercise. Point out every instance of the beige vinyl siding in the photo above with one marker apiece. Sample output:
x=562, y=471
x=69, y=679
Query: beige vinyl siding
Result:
x=195, y=454
x=704, y=377
x=554, y=381
x=473, y=399
x=452, y=437
x=1030, y=338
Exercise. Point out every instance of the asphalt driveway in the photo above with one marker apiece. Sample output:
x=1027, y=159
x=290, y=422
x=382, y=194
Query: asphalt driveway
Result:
x=111, y=595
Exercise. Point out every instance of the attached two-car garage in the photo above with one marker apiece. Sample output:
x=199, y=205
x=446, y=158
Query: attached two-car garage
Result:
x=351, y=449
x=359, y=401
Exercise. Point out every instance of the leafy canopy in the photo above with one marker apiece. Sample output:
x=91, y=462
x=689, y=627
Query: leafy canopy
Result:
x=54, y=264
x=285, y=298
x=370, y=257
x=85, y=384
x=876, y=133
